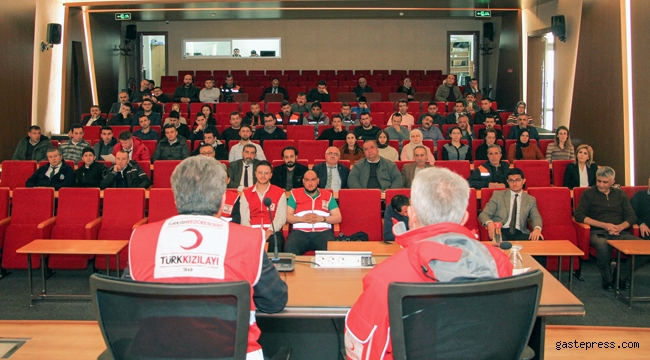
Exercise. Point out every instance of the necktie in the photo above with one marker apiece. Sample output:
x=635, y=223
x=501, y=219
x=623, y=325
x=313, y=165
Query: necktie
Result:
x=119, y=181
x=275, y=90
x=53, y=171
x=246, y=176
x=513, y=216
x=328, y=185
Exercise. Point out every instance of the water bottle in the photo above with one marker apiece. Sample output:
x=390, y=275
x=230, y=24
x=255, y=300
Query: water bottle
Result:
x=497, y=233
x=515, y=258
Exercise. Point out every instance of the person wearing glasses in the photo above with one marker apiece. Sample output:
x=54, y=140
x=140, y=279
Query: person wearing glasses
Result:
x=331, y=174
x=270, y=131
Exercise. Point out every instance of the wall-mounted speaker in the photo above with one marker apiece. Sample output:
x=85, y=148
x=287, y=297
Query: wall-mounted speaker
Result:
x=558, y=27
x=53, y=34
x=488, y=31
x=131, y=32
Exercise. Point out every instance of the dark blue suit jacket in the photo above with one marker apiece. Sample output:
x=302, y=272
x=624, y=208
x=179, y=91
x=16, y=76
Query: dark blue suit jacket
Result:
x=63, y=178
x=321, y=171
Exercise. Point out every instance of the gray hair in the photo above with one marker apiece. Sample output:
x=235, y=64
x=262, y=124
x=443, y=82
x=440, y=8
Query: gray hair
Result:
x=53, y=149
x=606, y=171
x=199, y=183
x=495, y=146
x=420, y=147
x=439, y=195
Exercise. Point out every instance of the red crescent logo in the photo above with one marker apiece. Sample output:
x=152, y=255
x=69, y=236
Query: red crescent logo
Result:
x=199, y=239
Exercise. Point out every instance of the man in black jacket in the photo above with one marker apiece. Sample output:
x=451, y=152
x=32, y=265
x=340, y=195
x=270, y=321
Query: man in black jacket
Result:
x=491, y=174
x=289, y=175
x=270, y=131
x=187, y=92
x=125, y=174
x=56, y=174
x=33, y=147
x=339, y=174
x=91, y=173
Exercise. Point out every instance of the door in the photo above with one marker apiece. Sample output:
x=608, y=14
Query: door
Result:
x=153, y=56
x=462, y=55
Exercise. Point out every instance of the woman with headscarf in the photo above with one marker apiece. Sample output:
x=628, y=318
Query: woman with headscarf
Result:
x=519, y=109
x=524, y=149
x=407, y=150
x=386, y=151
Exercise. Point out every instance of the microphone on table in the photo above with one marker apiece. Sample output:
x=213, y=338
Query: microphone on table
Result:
x=286, y=263
x=505, y=245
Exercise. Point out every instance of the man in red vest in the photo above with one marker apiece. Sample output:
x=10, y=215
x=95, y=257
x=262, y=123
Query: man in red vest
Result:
x=256, y=215
x=198, y=247
x=436, y=248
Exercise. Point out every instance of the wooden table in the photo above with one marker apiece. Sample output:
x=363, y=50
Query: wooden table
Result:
x=377, y=248
x=557, y=248
x=631, y=248
x=68, y=247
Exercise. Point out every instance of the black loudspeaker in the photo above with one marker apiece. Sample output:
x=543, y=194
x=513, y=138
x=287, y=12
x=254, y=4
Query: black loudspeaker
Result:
x=558, y=27
x=53, y=34
x=488, y=31
x=131, y=32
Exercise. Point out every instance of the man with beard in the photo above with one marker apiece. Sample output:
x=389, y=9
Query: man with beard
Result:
x=289, y=175
x=245, y=133
x=241, y=172
x=270, y=131
x=187, y=92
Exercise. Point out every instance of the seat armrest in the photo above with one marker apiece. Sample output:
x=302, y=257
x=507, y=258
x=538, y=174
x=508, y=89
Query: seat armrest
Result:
x=141, y=222
x=583, y=235
x=635, y=230
x=44, y=229
x=4, y=223
x=92, y=228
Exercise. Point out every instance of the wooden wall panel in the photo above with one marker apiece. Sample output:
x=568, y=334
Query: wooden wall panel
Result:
x=641, y=77
x=105, y=37
x=509, y=78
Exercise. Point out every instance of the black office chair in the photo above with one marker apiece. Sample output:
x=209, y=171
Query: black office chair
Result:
x=488, y=319
x=142, y=320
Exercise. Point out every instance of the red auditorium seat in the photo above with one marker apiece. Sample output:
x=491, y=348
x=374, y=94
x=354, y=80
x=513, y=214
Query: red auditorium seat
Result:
x=559, y=168
x=273, y=148
x=312, y=149
x=537, y=172
x=382, y=106
x=361, y=211
x=347, y=97
x=117, y=130
x=543, y=145
x=145, y=165
x=30, y=220
x=273, y=106
x=16, y=172
x=460, y=167
x=333, y=107
x=92, y=132
x=422, y=97
x=77, y=210
x=472, y=209
x=4, y=216
x=227, y=108
x=195, y=108
x=162, y=172
x=151, y=145
x=400, y=164
x=390, y=193
x=161, y=205
x=300, y=132
x=629, y=190
x=123, y=211
x=554, y=205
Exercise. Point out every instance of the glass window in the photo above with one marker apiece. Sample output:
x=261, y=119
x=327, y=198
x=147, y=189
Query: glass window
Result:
x=219, y=48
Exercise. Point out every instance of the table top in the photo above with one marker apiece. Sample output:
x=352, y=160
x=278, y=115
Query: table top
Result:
x=74, y=247
x=631, y=247
x=549, y=248
x=378, y=248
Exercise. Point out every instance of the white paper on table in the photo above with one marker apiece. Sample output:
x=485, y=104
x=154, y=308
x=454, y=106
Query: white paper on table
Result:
x=519, y=271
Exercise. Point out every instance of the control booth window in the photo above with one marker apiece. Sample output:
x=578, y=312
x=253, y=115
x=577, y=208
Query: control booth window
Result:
x=239, y=48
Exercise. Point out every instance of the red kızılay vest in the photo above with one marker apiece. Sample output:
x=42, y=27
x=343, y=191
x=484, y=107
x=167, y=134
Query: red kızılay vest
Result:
x=199, y=249
x=259, y=214
x=229, y=205
x=306, y=205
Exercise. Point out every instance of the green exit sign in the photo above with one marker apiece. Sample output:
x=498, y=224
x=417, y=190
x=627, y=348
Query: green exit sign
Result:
x=126, y=16
x=483, y=13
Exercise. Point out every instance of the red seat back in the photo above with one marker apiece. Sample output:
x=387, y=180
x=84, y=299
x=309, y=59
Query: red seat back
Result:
x=400, y=164
x=460, y=167
x=151, y=145
x=472, y=209
x=161, y=204
x=122, y=209
x=537, y=172
x=577, y=193
x=273, y=148
x=92, y=132
x=16, y=172
x=300, y=132
x=631, y=190
x=361, y=211
x=312, y=149
x=76, y=206
x=162, y=172
x=227, y=108
x=559, y=168
x=4, y=203
x=390, y=193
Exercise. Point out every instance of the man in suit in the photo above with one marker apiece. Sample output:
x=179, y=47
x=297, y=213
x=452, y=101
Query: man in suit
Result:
x=374, y=172
x=241, y=172
x=459, y=110
x=331, y=174
x=289, y=175
x=409, y=170
x=95, y=118
x=123, y=98
x=275, y=88
x=56, y=174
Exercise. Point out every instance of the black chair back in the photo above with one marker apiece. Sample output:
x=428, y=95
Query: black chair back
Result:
x=141, y=320
x=488, y=319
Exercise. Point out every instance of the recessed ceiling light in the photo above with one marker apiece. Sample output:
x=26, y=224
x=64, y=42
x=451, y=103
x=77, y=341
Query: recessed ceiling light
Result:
x=401, y=14
x=213, y=14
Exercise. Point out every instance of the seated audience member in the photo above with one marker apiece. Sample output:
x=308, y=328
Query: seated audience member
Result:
x=466, y=129
x=136, y=95
x=436, y=215
x=145, y=132
x=198, y=198
x=182, y=129
x=347, y=116
x=448, y=91
x=256, y=215
x=385, y=150
x=137, y=150
x=407, y=89
x=236, y=53
x=459, y=110
x=491, y=174
x=432, y=111
x=286, y=116
x=91, y=173
x=561, y=148
x=207, y=111
x=123, y=98
x=407, y=119
x=187, y=92
x=581, y=173
x=430, y=132
x=289, y=175
x=33, y=147
x=200, y=126
x=471, y=107
x=411, y=169
x=275, y=88
x=219, y=151
x=73, y=148
x=229, y=88
x=253, y=117
x=159, y=96
x=362, y=88
x=351, y=150
x=520, y=110
x=490, y=138
x=56, y=173
x=609, y=213
x=641, y=205
x=94, y=119
x=396, y=130
x=319, y=93
x=270, y=131
x=159, y=108
x=362, y=107
x=395, y=212
x=416, y=140
x=456, y=150
x=489, y=123
x=146, y=110
x=335, y=133
x=242, y=172
x=254, y=53
x=473, y=89
x=312, y=213
x=177, y=108
x=232, y=133
x=123, y=118
x=366, y=131
x=374, y=172
x=172, y=147
x=125, y=174
x=523, y=120
x=107, y=143
x=524, y=149
x=316, y=116
x=331, y=174
x=245, y=133
x=209, y=94
x=301, y=106
x=485, y=112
